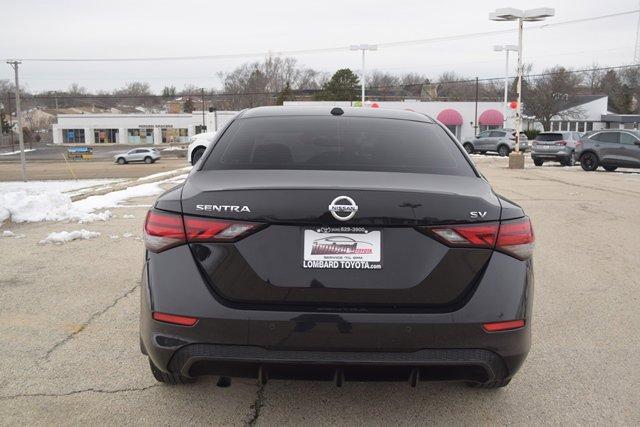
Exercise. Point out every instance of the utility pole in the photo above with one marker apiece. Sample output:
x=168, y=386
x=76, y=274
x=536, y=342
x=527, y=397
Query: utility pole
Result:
x=636, y=56
x=475, y=121
x=363, y=75
x=15, y=63
x=204, y=127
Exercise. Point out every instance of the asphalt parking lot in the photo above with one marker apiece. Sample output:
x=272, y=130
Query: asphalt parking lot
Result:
x=69, y=328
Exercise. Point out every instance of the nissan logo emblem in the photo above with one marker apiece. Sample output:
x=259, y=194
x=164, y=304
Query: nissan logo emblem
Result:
x=343, y=208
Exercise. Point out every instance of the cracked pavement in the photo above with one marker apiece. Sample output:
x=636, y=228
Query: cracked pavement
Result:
x=69, y=328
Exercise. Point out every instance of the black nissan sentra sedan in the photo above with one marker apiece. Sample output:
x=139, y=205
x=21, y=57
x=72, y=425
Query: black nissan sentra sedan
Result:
x=340, y=244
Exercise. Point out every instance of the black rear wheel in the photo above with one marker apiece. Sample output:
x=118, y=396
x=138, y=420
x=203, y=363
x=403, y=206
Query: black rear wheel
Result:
x=121, y=161
x=167, y=377
x=148, y=160
x=503, y=151
x=610, y=168
x=538, y=162
x=570, y=161
x=589, y=162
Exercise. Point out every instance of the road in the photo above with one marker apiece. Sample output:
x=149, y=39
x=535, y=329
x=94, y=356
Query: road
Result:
x=69, y=337
x=46, y=170
x=51, y=152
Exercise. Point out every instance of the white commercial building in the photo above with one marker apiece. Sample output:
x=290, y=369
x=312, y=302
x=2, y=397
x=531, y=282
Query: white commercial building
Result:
x=582, y=113
x=135, y=128
x=459, y=117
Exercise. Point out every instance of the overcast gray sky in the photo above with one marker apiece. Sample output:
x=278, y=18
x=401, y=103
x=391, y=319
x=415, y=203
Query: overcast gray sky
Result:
x=148, y=28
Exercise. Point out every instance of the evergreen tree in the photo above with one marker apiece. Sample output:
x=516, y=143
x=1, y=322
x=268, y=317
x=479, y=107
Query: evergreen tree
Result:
x=5, y=127
x=343, y=86
x=285, y=95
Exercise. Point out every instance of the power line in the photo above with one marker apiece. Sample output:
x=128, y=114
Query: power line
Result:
x=336, y=48
x=312, y=91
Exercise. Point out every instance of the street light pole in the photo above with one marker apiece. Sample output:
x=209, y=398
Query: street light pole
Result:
x=363, y=48
x=519, y=88
x=516, y=160
x=23, y=161
x=507, y=48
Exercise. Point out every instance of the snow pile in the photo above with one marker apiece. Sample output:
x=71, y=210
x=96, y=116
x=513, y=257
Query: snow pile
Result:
x=34, y=205
x=68, y=236
x=128, y=216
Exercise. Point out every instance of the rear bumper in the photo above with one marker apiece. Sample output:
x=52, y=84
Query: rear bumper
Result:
x=545, y=155
x=255, y=362
x=244, y=342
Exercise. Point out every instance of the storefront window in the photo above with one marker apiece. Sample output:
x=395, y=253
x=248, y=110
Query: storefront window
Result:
x=140, y=136
x=175, y=135
x=488, y=127
x=108, y=136
x=73, y=136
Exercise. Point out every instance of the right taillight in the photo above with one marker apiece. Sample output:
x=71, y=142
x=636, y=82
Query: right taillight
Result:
x=513, y=237
x=164, y=230
x=516, y=238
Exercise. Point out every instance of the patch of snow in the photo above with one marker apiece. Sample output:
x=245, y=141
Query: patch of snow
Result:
x=34, y=206
x=8, y=233
x=28, y=150
x=174, y=148
x=114, y=236
x=67, y=236
x=127, y=216
x=127, y=235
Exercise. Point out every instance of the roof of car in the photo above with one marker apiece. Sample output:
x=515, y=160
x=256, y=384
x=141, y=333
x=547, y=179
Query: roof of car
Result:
x=381, y=113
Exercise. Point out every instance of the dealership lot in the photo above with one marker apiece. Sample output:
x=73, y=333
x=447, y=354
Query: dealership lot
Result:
x=69, y=337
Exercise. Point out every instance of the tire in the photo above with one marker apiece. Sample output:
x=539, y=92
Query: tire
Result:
x=503, y=151
x=167, y=377
x=483, y=152
x=503, y=382
x=121, y=161
x=538, y=162
x=571, y=161
x=198, y=152
x=610, y=168
x=589, y=161
x=148, y=160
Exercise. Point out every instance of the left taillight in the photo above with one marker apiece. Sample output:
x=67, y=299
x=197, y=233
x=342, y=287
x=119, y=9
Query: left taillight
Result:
x=164, y=230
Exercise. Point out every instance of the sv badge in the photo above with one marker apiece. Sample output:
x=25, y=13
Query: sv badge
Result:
x=476, y=215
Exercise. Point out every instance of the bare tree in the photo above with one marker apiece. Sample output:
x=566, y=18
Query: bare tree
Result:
x=549, y=95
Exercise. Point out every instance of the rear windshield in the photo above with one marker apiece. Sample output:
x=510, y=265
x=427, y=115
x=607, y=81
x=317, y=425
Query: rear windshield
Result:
x=549, y=137
x=338, y=143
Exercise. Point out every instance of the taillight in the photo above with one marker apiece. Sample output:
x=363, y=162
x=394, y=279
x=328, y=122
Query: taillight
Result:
x=578, y=144
x=164, y=230
x=516, y=238
x=561, y=142
x=474, y=235
x=513, y=237
x=216, y=230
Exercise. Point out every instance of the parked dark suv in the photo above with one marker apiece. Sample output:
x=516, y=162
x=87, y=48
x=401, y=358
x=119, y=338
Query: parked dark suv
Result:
x=336, y=244
x=555, y=147
x=609, y=148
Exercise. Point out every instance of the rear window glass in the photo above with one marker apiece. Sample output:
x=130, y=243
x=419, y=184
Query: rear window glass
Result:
x=549, y=137
x=338, y=143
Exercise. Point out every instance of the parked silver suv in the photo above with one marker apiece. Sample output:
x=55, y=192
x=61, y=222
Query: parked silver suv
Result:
x=609, y=148
x=503, y=141
x=147, y=155
x=555, y=147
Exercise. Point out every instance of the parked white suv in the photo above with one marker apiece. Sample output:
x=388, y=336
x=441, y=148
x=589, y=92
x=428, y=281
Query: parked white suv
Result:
x=198, y=145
